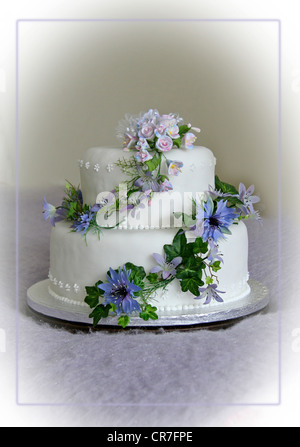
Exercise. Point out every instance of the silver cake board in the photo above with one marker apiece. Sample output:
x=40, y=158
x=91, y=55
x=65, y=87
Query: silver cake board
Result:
x=40, y=301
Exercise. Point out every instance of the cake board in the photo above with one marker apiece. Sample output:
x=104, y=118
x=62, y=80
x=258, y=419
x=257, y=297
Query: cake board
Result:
x=42, y=303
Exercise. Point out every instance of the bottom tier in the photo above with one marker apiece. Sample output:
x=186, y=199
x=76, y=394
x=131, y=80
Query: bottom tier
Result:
x=76, y=263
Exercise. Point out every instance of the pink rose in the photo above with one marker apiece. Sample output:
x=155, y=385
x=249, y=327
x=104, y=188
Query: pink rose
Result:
x=164, y=143
x=147, y=131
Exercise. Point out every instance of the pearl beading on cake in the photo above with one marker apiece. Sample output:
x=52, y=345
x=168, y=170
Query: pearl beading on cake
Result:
x=111, y=166
x=65, y=299
x=66, y=286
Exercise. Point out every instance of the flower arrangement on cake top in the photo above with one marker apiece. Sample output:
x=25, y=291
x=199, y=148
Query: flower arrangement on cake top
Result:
x=193, y=261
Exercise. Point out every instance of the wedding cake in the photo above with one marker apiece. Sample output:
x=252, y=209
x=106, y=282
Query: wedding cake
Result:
x=151, y=231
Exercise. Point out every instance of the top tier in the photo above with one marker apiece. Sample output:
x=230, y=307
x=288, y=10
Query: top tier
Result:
x=100, y=173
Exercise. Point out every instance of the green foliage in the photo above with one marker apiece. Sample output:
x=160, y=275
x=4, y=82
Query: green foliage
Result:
x=137, y=274
x=149, y=312
x=152, y=278
x=183, y=129
x=123, y=321
x=190, y=270
x=100, y=311
x=93, y=294
x=154, y=162
x=226, y=188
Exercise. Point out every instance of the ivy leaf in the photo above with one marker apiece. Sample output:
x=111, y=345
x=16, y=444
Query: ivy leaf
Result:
x=199, y=246
x=191, y=284
x=100, y=311
x=216, y=266
x=177, y=247
x=189, y=272
x=123, y=321
x=137, y=273
x=93, y=294
x=149, y=312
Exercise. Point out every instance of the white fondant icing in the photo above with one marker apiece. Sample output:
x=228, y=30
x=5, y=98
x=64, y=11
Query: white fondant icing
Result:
x=75, y=262
x=197, y=172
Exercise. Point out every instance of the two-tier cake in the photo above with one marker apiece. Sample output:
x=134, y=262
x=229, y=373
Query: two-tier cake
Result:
x=152, y=232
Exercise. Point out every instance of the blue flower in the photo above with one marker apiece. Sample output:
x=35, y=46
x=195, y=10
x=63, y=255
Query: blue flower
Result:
x=83, y=223
x=214, y=223
x=210, y=292
x=119, y=290
x=49, y=212
x=167, y=268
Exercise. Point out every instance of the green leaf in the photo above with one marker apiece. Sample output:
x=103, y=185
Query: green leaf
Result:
x=199, y=246
x=152, y=278
x=153, y=163
x=137, y=273
x=123, y=320
x=225, y=187
x=183, y=129
x=93, y=294
x=149, y=312
x=99, y=312
x=216, y=266
x=177, y=247
x=191, y=284
x=209, y=280
x=177, y=142
x=72, y=209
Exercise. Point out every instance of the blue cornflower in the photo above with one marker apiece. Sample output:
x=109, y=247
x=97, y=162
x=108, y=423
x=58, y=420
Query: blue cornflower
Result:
x=210, y=292
x=214, y=223
x=119, y=290
x=49, y=212
x=83, y=223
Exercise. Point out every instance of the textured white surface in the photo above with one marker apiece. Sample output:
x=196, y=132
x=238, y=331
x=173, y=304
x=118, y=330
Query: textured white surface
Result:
x=80, y=262
x=51, y=376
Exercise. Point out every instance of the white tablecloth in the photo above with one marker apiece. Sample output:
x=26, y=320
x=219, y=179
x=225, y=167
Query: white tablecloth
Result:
x=242, y=375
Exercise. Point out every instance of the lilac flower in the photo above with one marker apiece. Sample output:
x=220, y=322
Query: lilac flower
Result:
x=167, y=268
x=210, y=292
x=247, y=198
x=174, y=167
x=143, y=155
x=214, y=224
x=173, y=132
x=165, y=186
x=135, y=202
x=61, y=213
x=119, y=290
x=213, y=253
x=49, y=212
x=147, y=182
x=83, y=223
x=189, y=139
x=105, y=202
